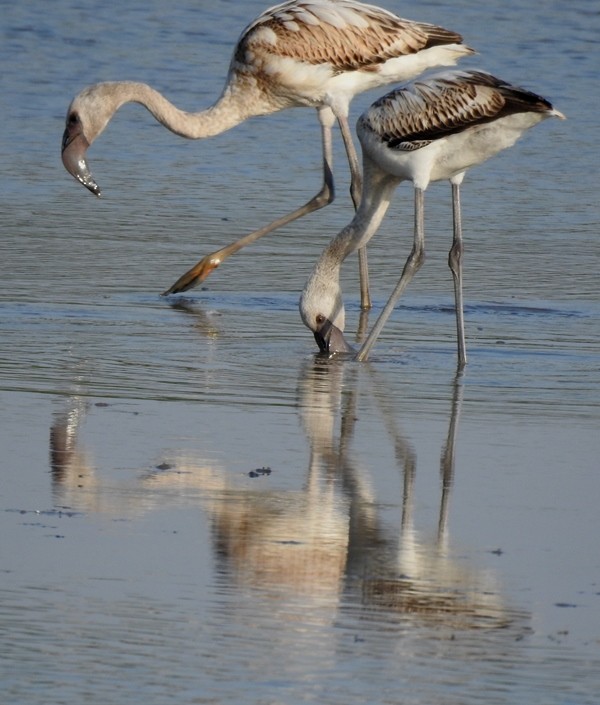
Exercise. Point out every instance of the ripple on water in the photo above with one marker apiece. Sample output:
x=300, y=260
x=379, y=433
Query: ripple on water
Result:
x=178, y=577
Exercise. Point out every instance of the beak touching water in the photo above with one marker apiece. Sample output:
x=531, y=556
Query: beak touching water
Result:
x=74, y=147
x=330, y=339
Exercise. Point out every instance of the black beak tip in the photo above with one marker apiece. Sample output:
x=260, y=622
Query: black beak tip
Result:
x=331, y=341
x=322, y=342
x=94, y=188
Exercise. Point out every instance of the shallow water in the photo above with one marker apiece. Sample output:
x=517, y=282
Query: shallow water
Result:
x=196, y=509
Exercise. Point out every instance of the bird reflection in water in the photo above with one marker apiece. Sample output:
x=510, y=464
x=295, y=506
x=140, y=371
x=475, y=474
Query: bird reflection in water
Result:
x=203, y=321
x=69, y=462
x=325, y=542
x=421, y=577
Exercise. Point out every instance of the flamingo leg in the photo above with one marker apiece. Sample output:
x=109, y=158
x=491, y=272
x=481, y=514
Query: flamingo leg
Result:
x=207, y=264
x=455, y=263
x=413, y=264
x=201, y=270
x=355, y=193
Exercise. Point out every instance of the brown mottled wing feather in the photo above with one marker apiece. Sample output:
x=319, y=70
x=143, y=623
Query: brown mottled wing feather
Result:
x=347, y=35
x=412, y=117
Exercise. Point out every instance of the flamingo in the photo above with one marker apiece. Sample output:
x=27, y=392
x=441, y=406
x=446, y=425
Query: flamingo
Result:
x=433, y=129
x=311, y=53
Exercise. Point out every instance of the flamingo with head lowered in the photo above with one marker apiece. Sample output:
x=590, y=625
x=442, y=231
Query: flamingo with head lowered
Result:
x=311, y=53
x=431, y=130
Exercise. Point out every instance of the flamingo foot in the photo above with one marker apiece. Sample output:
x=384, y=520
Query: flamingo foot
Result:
x=195, y=275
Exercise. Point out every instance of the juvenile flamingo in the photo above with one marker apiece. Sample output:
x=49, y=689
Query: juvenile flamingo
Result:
x=430, y=130
x=311, y=53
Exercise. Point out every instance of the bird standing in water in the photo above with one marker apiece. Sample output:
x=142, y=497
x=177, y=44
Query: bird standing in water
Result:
x=431, y=130
x=311, y=53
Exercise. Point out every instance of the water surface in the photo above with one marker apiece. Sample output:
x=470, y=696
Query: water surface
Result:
x=196, y=509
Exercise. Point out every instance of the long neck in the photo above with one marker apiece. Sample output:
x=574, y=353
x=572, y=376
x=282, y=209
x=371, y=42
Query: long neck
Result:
x=239, y=101
x=378, y=188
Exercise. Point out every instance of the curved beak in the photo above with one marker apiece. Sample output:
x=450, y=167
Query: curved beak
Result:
x=74, y=147
x=330, y=339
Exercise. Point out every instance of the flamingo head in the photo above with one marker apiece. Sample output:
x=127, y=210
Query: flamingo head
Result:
x=322, y=312
x=87, y=117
